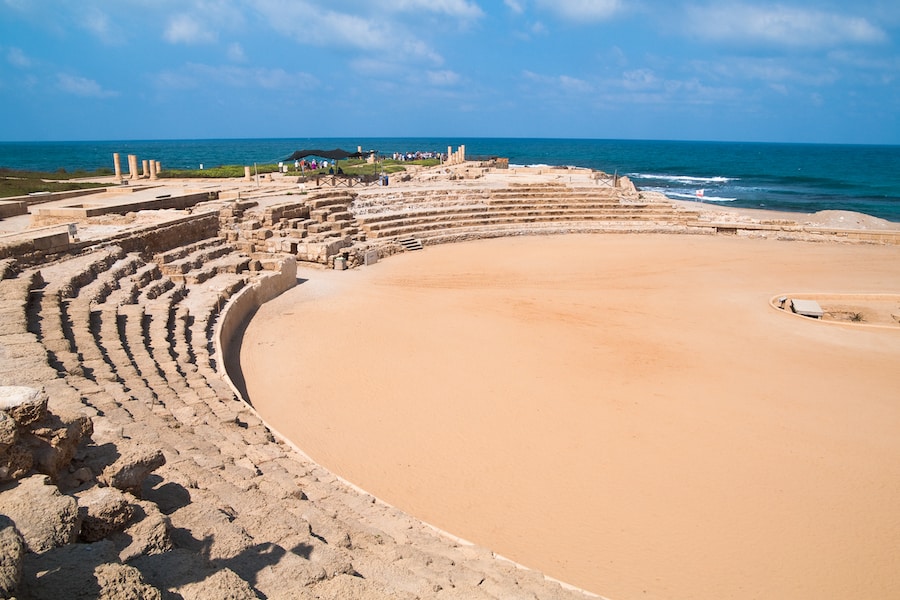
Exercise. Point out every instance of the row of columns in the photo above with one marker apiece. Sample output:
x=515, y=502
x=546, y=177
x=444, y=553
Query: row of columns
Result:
x=151, y=168
x=458, y=157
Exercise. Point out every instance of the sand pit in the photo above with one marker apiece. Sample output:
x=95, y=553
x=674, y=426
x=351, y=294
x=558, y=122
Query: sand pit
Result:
x=625, y=413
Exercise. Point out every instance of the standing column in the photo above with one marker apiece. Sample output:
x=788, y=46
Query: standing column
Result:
x=132, y=166
x=247, y=174
x=145, y=169
x=117, y=165
x=462, y=153
x=153, y=169
x=158, y=167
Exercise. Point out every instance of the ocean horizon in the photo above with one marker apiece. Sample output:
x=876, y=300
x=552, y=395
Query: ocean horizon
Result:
x=794, y=177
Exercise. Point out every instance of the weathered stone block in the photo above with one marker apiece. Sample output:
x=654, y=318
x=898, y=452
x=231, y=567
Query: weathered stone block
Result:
x=12, y=549
x=9, y=432
x=24, y=404
x=147, y=535
x=45, y=518
x=103, y=511
x=55, y=440
x=131, y=468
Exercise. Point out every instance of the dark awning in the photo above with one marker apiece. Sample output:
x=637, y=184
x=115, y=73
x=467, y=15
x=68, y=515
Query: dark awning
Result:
x=336, y=154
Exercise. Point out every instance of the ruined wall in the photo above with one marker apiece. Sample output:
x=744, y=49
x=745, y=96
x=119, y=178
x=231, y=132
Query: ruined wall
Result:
x=168, y=235
x=240, y=308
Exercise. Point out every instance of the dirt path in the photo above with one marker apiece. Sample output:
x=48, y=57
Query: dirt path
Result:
x=625, y=413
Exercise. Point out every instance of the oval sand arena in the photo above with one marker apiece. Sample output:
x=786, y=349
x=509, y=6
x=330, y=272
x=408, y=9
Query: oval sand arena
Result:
x=626, y=413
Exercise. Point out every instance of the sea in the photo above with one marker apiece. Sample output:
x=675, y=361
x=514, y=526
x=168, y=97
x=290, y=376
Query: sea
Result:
x=783, y=177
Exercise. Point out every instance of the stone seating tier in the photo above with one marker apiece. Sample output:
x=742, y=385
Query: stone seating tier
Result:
x=429, y=212
x=445, y=223
x=195, y=259
x=447, y=236
x=181, y=252
x=132, y=347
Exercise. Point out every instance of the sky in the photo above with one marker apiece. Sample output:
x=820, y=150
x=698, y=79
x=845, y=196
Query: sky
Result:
x=811, y=71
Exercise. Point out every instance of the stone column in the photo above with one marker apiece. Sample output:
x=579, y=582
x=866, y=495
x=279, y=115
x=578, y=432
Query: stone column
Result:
x=158, y=167
x=153, y=169
x=132, y=166
x=449, y=155
x=117, y=165
x=247, y=174
x=462, y=153
x=145, y=169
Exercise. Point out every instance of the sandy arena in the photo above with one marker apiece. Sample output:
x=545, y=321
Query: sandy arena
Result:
x=626, y=413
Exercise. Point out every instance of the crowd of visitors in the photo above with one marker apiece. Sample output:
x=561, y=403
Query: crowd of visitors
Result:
x=419, y=155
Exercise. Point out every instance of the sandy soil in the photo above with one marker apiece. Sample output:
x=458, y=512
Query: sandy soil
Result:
x=625, y=413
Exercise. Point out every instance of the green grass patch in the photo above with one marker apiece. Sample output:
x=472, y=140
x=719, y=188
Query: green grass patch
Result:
x=20, y=183
x=220, y=172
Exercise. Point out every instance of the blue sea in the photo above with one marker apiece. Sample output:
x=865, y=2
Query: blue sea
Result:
x=787, y=177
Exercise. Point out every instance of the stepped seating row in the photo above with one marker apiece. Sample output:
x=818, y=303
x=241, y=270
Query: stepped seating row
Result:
x=506, y=211
x=133, y=347
x=381, y=201
x=425, y=213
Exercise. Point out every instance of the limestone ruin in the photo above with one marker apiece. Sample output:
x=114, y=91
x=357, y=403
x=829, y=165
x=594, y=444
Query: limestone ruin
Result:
x=130, y=465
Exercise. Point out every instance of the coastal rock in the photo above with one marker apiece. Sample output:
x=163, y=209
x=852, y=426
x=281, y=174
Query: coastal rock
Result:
x=131, y=468
x=12, y=549
x=24, y=404
x=45, y=518
x=103, y=511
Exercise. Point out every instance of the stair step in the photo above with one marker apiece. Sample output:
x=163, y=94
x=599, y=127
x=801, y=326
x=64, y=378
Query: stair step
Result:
x=410, y=243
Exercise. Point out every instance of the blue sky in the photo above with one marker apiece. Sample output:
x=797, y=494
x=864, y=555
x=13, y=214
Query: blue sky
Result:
x=791, y=71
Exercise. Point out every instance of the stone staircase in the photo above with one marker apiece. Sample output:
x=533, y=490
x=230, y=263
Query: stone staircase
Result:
x=445, y=215
x=228, y=510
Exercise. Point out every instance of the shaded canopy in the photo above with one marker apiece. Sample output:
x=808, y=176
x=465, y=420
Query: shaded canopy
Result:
x=336, y=154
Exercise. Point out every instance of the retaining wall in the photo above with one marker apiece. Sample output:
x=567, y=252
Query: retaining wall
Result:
x=240, y=308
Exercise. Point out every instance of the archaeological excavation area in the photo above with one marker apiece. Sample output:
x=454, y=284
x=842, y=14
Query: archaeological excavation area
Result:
x=132, y=465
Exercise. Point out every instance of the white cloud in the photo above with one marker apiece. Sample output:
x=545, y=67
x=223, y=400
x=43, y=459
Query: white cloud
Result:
x=420, y=51
x=98, y=24
x=443, y=78
x=773, y=72
x=236, y=53
x=515, y=6
x=640, y=79
x=184, y=29
x=316, y=25
x=534, y=30
x=17, y=58
x=779, y=25
x=194, y=75
x=583, y=10
x=454, y=8
x=371, y=32
x=538, y=28
x=82, y=86
x=371, y=66
x=555, y=83
x=573, y=84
